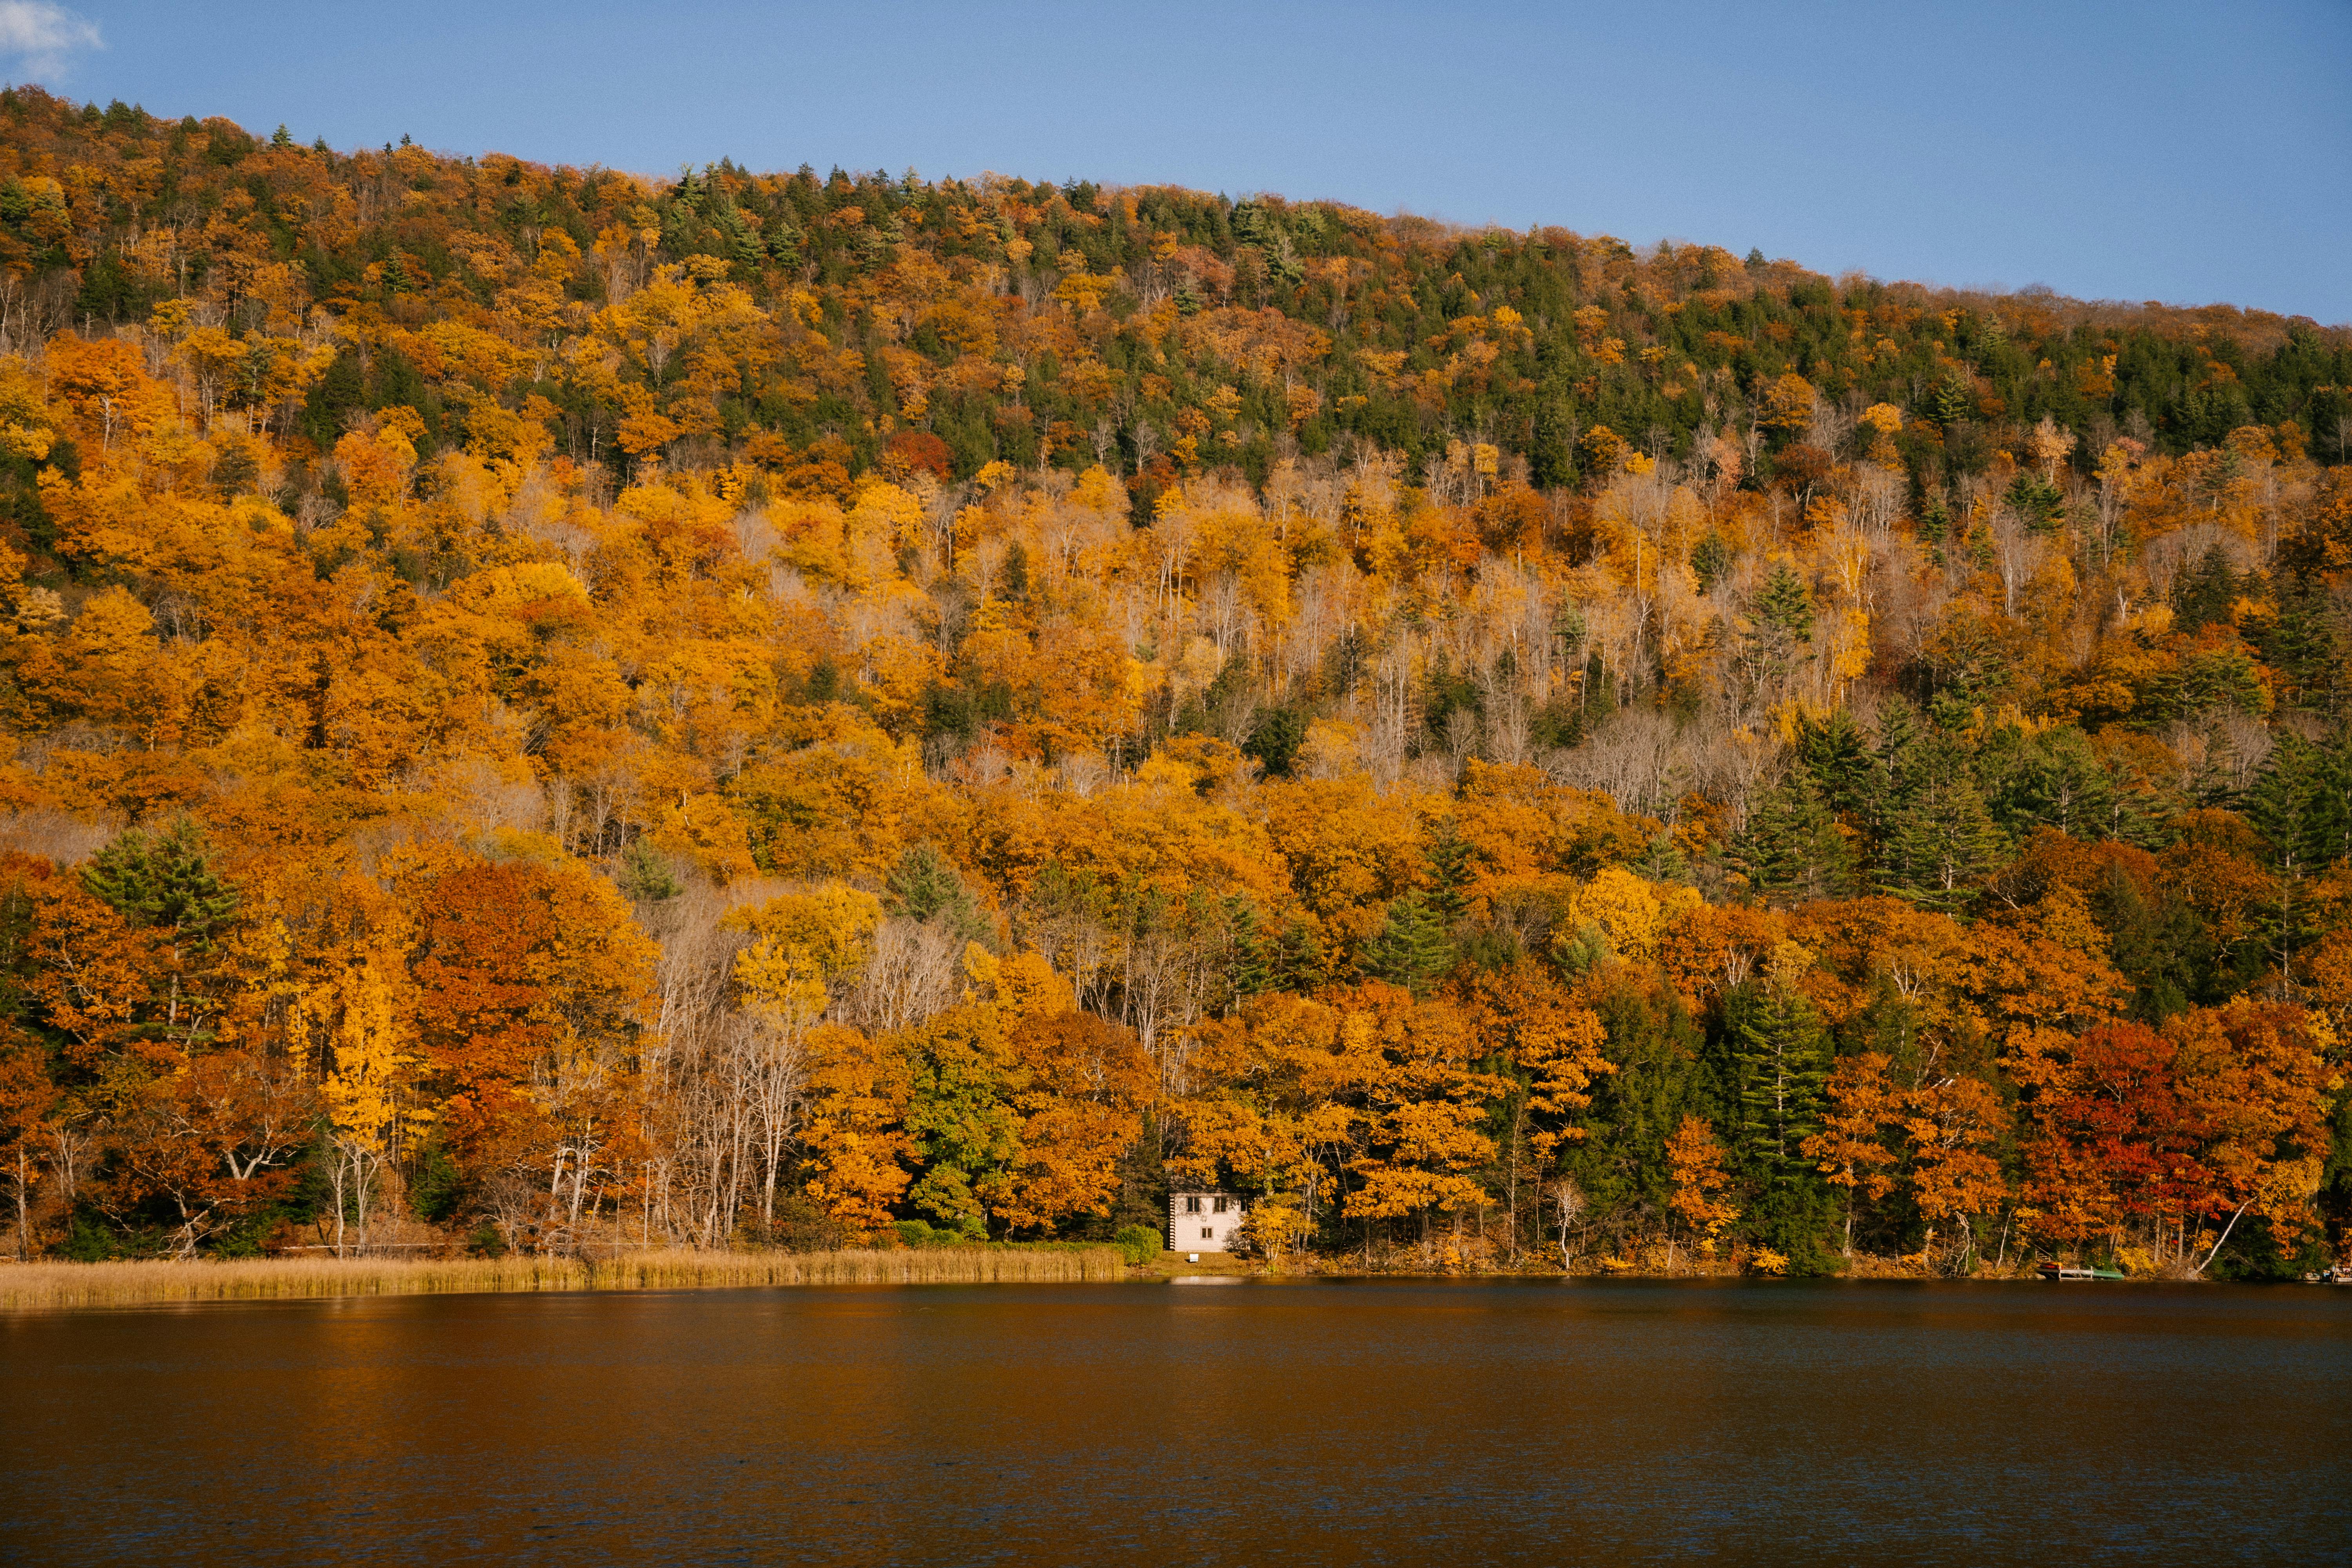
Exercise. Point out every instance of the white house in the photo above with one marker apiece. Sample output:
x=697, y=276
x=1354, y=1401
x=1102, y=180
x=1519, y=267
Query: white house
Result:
x=1204, y=1222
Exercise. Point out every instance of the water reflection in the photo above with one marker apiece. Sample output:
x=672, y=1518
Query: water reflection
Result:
x=1314, y=1422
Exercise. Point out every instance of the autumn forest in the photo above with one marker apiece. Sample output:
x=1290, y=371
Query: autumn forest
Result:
x=550, y=707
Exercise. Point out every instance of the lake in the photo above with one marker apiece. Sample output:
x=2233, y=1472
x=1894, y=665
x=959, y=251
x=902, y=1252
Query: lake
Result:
x=1354, y=1421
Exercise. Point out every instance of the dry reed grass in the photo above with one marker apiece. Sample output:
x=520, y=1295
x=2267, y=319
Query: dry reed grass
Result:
x=56, y=1285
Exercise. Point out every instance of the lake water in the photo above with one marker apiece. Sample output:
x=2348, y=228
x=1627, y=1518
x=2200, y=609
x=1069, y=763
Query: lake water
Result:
x=1405, y=1422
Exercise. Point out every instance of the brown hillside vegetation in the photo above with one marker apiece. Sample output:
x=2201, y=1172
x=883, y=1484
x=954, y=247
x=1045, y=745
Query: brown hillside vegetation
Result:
x=778, y=708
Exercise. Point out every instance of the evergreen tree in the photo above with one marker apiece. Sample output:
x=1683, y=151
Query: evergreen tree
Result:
x=1790, y=851
x=2303, y=646
x=924, y=886
x=1295, y=963
x=1835, y=751
x=166, y=880
x=1250, y=959
x=2051, y=780
x=1775, y=1055
x=1780, y=1060
x=1449, y=868
x=1780, y=617
x=1940, y=844
x=1412, y=948
x=1710, y=558
x=1551, y=456
x=1900, y=761
x=645, y=876
x=2297, y=804
x=2201, y=597
x=1660, y=1076
x=2329, y=827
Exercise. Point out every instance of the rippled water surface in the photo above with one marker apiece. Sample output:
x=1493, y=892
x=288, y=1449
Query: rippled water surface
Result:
x=1336, y=1422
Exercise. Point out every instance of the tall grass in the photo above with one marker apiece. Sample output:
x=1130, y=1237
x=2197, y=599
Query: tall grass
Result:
x=37, y=1285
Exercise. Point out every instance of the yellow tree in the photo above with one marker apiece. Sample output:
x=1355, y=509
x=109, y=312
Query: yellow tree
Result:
x=1951, y=1125
x=2255, y=1089
x=853, y=1136
x=356, y=1025
x=1694, y=1157
x=1548, y=1046
x=1412, y=1070
x=1850, y=1148
x=1083, y=1084
x=1264, y=1114
x=804, y=941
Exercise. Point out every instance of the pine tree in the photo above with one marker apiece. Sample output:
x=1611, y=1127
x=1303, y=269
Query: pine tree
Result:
x=1940, y=844
x=1449, y=868
x=2202, y=596
x=2054, y=780
x=1250, y=957
x=165, y=882
x=1790, y=851
x=1710, y=558
x=2301, y=646
x=1412, y=948
x=924, y=885
x=1835, y=751
x=1899, y=760
x=1551, y=456
x=1781, y=623
x=2292, y=806
x=1781, y=1061
x=2329, y=830
x=1295, y=965
x=645, y=876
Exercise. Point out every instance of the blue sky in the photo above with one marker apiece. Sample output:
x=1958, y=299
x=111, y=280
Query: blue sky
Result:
x=2183, y=152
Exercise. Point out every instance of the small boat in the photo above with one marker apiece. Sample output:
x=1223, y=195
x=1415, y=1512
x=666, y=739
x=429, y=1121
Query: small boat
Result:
x=2070, y=1271
x=2341, y=1274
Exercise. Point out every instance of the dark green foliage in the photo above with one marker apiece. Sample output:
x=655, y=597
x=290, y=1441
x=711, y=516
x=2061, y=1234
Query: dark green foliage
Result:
x=1710, y=558
x=924, y=885
x=1837, y=754
x=1940, y=844
x=1138, y=1243
x=438, y=1188
x=1297, y=962
x=2304, y=645
x=1779, y=1061
x=2157, y=943
x=1784, y=605
x=2037, y=500
x=167, y=880
x=1791, y=850
x=1780, y=625
x=1775, y=1059
x=1551, y=453
x=1449, y=873
x=2202, y=594
x=1275, y=734
x=2049, y=779
x=1412, y=948
x=1654, y=1046
x=645, y=875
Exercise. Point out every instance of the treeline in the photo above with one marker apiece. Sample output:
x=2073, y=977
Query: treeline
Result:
x=544, y=704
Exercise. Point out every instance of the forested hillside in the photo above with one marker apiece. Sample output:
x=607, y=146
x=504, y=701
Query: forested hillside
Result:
x=780, y=707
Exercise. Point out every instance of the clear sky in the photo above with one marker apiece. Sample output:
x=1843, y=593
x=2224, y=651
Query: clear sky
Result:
x=2189, y=153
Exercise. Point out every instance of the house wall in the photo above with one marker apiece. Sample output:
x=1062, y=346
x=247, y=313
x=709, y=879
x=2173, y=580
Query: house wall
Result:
x=1195, y=1223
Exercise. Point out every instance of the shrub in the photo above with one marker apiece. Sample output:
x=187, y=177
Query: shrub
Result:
x=1139, y=1243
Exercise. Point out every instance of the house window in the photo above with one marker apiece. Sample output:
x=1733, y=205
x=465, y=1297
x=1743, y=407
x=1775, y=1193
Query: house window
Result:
x=1191, y=1205
x=1208, y=1232
x=1219, y=1205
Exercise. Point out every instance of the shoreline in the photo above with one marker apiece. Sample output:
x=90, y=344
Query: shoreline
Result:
x=64, y=1285
x=33, y=1287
